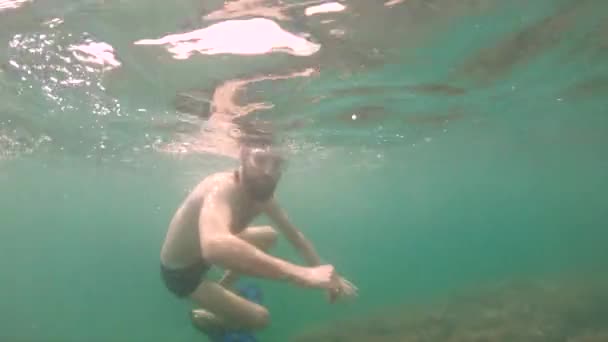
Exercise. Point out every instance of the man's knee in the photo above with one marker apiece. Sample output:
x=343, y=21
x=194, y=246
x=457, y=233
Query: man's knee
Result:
x=269, y=236
x=260, y=320
x=262, y=236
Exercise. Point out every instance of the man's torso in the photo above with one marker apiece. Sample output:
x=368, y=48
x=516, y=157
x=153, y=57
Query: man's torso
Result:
x=181, y=247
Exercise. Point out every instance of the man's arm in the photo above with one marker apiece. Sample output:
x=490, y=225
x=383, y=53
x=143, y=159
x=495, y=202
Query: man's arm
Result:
x=292, y=233
x=219, y=246
x=306, y=249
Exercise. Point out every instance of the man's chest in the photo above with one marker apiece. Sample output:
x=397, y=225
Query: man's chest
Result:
x=244, y=211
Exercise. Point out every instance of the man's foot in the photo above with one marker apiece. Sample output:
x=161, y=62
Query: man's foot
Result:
x=206, y=322
x=229, y=279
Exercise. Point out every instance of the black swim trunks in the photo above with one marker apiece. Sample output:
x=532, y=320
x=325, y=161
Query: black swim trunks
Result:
x=183, y=281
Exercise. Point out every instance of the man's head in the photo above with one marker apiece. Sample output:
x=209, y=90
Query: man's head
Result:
x=260, y=171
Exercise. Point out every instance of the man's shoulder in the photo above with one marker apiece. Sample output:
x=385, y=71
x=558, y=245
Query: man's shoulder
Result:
x=220, y=178
x=219, y=181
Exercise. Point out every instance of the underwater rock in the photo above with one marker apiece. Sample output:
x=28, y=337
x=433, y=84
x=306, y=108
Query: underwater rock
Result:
x=492, y=63
x=538, y=310
x=588, y=88
x=591, y=337
x=437, y=89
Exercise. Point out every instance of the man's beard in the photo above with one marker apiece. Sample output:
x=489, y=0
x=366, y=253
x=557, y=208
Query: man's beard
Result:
x=260, y=190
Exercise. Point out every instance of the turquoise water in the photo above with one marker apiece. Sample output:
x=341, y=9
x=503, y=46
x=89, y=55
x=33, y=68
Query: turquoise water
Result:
x=437, y=145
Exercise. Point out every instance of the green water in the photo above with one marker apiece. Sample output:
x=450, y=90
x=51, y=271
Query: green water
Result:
x=425, y=192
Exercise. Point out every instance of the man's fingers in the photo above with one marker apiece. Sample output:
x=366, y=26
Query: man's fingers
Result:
x=333, y=294
x=350, y=284
x=349, y=287
x=341, y=287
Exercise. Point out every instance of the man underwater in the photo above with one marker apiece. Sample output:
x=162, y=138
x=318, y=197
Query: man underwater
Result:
x=211, y=227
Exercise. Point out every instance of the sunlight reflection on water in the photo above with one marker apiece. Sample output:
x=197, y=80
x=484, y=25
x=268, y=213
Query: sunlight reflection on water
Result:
x=244, y=37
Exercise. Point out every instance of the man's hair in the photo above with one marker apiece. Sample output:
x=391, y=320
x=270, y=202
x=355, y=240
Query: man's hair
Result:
x=249, y=154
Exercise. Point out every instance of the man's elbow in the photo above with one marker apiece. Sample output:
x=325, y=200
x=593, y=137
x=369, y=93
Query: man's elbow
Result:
x=299, y=241
x=213, y=248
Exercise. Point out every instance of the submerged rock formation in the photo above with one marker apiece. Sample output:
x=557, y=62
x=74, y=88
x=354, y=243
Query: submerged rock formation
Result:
x=527, y=310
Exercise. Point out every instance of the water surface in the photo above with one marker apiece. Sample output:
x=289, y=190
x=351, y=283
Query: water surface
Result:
x=433, y=145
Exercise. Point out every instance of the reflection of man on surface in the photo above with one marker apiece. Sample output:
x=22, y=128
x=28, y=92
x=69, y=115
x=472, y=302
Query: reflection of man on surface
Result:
x=211, y=228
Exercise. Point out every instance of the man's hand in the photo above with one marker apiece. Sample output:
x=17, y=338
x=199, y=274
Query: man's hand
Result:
x=322, y=276
x=315, y=277
x=341, y=288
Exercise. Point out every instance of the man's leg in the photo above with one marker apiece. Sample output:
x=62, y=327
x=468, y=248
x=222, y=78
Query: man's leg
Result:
x=225, y=309
x=263, y=237
x=222, y=307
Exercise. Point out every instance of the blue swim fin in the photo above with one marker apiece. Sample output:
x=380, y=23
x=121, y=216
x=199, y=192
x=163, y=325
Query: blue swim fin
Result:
x=254, y=294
